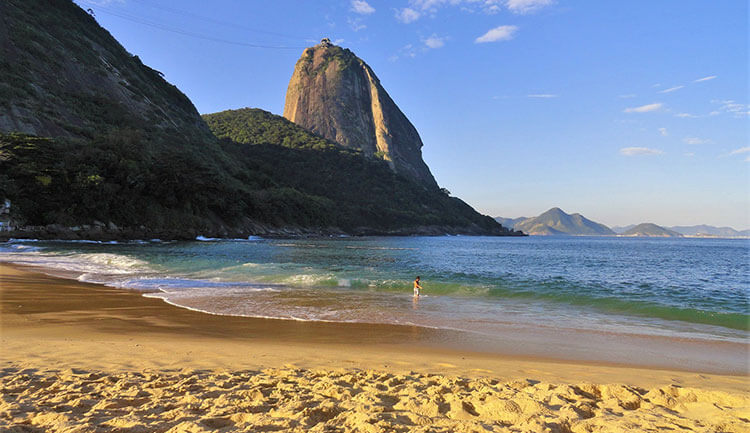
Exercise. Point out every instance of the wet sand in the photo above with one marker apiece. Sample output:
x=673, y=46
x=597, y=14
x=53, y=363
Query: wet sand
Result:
x=82, y=357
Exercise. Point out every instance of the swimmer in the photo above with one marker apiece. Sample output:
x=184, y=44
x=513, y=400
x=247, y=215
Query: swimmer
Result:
x=417, y=287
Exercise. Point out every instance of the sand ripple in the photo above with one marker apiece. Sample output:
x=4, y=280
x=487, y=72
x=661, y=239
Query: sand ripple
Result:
x=301, y=400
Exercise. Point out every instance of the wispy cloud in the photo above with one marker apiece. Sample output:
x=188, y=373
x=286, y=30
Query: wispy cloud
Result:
x=696, y=140
x=686, y=115
x=671, y=89
x=362, y=7
x=501, y=33
x=636, y=151
x=407, y=15
x=663, y=132
x=356, y=24
x=644, y=108
x=627, y=96
x=434, y=41
x=542, y=95
x=741, y=150
x=419, y=8
x=710, y=77
x=732, y=107
x=407, y=50
x=690, y=154
x=526, y=6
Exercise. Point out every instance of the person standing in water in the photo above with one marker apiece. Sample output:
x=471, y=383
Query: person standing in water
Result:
x=417, y=287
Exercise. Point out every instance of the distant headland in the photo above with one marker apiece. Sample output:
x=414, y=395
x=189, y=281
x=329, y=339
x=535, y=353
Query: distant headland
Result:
x=555, y=222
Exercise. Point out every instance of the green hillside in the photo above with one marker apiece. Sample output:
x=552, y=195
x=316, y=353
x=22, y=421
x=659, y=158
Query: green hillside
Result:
x=364, y=194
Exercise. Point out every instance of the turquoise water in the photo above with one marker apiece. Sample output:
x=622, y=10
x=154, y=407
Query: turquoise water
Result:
x=688, y=288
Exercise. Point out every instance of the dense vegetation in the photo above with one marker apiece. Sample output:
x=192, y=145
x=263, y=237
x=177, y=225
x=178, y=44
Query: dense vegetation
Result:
x=366, y=192
x=254, y=126
x=343, y=57
x=284, y=175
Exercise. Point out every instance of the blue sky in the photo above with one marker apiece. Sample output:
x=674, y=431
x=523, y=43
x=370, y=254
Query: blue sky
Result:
x=626, y=112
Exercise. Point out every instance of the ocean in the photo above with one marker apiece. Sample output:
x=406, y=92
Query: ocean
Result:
x=688, y=289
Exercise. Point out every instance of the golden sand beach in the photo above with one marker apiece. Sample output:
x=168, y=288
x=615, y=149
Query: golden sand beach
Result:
x=79, y=357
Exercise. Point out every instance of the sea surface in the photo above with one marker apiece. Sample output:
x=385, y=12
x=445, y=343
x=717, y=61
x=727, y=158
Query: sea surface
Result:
x=685, y=288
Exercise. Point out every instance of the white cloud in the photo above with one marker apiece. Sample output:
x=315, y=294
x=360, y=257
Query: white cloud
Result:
x=356, y=24
x=542, y=95
x=710, y=77
x=407, y=15
x=695, y=140
x=690, y=154
x=501, y=33
x=627, y=96
x=526, y=6
x=741, y=150
x=635, y=151
x=420, y=8
x=663, y=132
x=338, y=41
x=434, y=41
x=671, y=89
x=732, y=107
x=362, y=7
x=686, y=115
x=644, y=108
x=491, y=8
x=407, y=50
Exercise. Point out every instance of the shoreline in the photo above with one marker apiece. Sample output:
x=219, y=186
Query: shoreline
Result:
x=111, y=232
x=178, y=321
x=517, y=341
x=119, y=360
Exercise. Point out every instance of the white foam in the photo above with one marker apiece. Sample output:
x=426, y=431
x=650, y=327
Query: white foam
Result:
x=249, y=238
x=91, y=266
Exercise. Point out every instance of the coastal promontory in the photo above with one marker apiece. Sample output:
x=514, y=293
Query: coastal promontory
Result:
x=335, y=94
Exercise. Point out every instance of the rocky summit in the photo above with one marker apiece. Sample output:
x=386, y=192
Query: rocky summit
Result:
x=335, y=94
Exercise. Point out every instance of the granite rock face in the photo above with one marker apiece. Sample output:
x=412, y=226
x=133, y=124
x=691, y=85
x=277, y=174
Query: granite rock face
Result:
x=337, y=95
x=62, y=75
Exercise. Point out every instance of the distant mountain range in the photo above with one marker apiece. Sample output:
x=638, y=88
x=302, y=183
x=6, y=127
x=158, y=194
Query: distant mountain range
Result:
x=710, y=231
x=650, y=230
x=701, y=230
x=555, y=222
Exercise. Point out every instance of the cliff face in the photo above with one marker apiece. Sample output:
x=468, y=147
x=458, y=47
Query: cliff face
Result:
x=337, y=95
x=62, y=75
